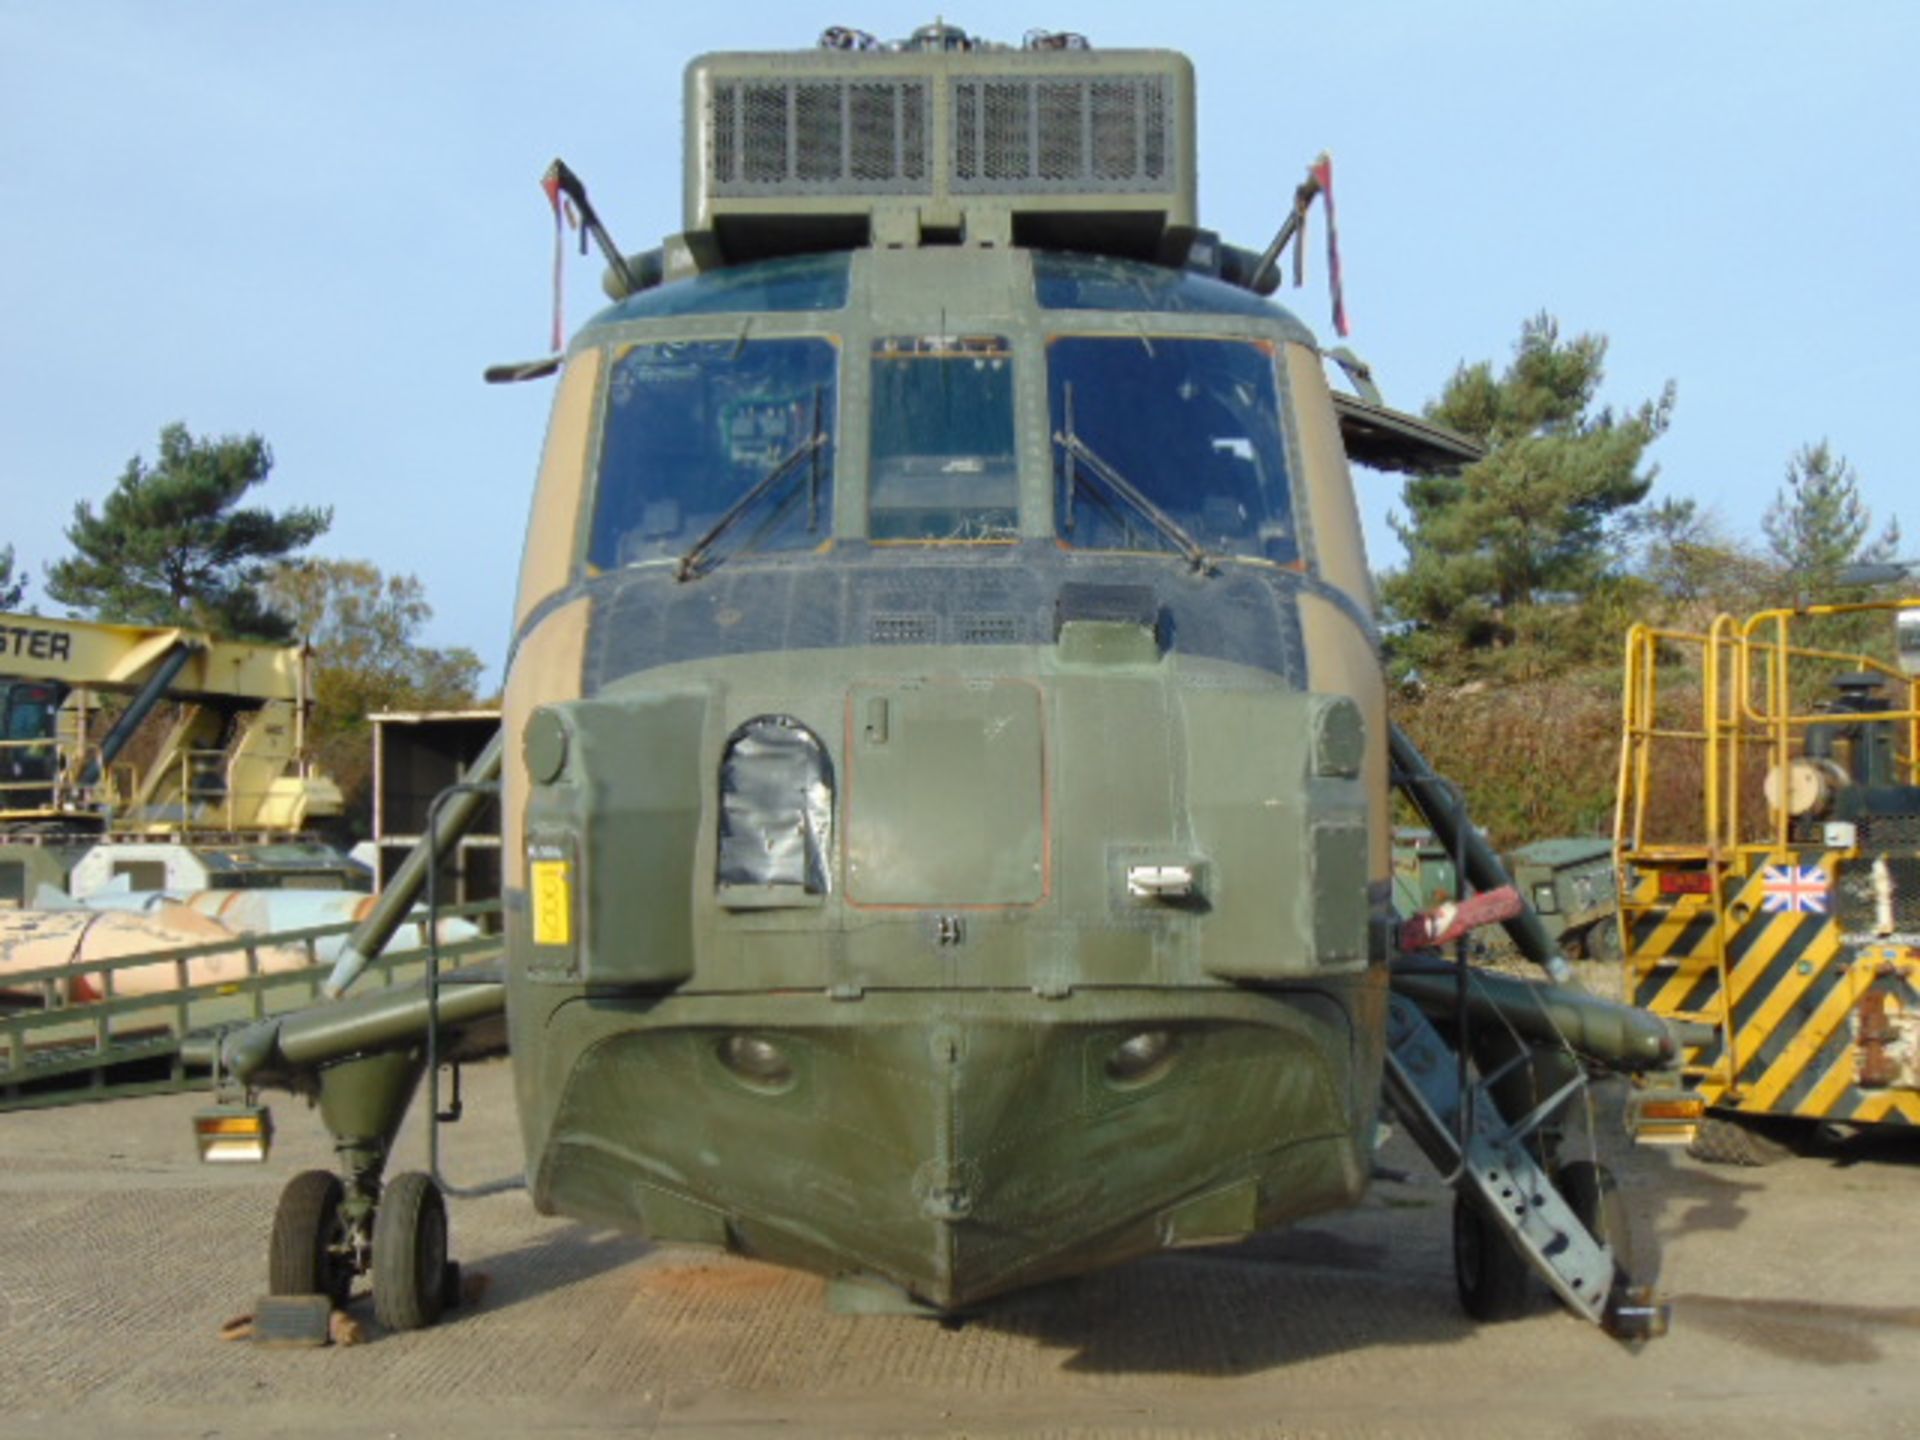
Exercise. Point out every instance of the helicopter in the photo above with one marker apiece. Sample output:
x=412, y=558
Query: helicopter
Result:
x=945, y=757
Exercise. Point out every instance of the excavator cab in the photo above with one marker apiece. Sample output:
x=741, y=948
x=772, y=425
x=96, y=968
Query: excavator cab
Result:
x=29, y=759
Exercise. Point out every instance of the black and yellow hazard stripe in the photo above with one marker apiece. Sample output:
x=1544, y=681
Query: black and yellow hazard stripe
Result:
x=1783, y=988
x=1824, y=1070
x=1673, y=950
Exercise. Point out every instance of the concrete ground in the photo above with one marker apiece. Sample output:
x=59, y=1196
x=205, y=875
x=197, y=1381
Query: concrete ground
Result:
x=120, y=1256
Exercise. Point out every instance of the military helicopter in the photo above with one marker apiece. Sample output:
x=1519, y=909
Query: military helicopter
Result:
x=945, y=772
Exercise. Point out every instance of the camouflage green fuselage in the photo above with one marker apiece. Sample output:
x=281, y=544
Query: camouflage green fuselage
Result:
x=960, y=907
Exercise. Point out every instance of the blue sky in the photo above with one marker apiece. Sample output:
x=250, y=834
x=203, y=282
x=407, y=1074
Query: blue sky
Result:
x=321, y=221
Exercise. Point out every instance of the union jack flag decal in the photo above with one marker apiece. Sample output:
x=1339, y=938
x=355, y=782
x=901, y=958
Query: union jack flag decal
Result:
x=1795, y=890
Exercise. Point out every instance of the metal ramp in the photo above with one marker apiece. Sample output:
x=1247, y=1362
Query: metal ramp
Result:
x=54, y=1053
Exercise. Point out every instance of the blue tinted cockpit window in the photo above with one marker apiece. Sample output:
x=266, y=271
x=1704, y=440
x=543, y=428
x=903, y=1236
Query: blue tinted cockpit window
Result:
x=692, y=427
x=941, y=458
x=798, y=283
x=1066, y=281
x=1193, y=426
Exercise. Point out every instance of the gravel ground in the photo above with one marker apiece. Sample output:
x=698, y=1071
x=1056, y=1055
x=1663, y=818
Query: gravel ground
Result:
x=1792, y=1289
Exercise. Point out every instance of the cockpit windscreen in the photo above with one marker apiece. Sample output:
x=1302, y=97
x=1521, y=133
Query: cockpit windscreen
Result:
x=693, y=426
x=1192, y=424
x=942, y=455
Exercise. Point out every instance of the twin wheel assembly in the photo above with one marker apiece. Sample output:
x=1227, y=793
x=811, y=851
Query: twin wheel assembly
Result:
x=323, y=1241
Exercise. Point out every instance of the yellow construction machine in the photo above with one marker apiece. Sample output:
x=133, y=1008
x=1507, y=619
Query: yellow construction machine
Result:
x=74, y=694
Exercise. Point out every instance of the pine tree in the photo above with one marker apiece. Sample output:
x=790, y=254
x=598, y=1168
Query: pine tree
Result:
x=13, y=588
x=169, y=546
x=1502, y=556
x=1818, y=523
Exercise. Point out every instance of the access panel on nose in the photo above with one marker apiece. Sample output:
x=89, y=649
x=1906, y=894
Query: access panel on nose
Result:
x=947, y=802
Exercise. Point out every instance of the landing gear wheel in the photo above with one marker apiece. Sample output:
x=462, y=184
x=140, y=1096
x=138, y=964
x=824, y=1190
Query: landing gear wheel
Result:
x=309, y=1253
x=1494, y=1282
x=1589, y=1190
x=1723, y=1141
x=410, y=1253
x=451, y=1289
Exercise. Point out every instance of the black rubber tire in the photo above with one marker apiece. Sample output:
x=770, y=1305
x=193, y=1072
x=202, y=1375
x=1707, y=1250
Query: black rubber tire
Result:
x=450, y=1287
x=1721, y=1140
x=1602, y=941
x=1494, y=1282
x=410, y=1253
x=304, y=1255
x=1589, y=1190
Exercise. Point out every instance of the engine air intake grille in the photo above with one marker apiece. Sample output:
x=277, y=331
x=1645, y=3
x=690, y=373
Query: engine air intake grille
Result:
x=1049, y=133
x=806, y=137
x=989, y=629
x=908, y=629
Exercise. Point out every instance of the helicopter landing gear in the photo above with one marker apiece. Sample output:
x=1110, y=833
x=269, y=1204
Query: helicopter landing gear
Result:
x=1590, y=1192
x=312, y=1250
x=411, y=1276
x=331, y=1229
x=1494, y=1282
x=1514, y=1215
x=327, y=1234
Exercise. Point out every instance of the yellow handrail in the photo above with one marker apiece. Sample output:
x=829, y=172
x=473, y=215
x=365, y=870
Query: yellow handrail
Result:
x=1747, y=670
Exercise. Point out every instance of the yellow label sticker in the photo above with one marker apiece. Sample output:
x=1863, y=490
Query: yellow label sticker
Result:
x=552, y=902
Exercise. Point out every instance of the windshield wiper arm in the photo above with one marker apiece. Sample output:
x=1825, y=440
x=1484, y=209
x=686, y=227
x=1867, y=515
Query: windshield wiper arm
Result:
x=1133, y=495
x=689, y=568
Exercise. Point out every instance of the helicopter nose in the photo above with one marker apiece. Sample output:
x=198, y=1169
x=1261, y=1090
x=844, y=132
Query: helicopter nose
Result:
x=956, y=1147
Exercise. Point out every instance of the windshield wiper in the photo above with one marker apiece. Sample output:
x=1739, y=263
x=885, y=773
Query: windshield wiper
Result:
x=689, y=568
x=1124, y=489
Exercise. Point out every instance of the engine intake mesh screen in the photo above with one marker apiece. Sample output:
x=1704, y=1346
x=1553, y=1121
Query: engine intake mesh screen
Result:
x=1858, y=904
x=1047, y=133
x=811, y=137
